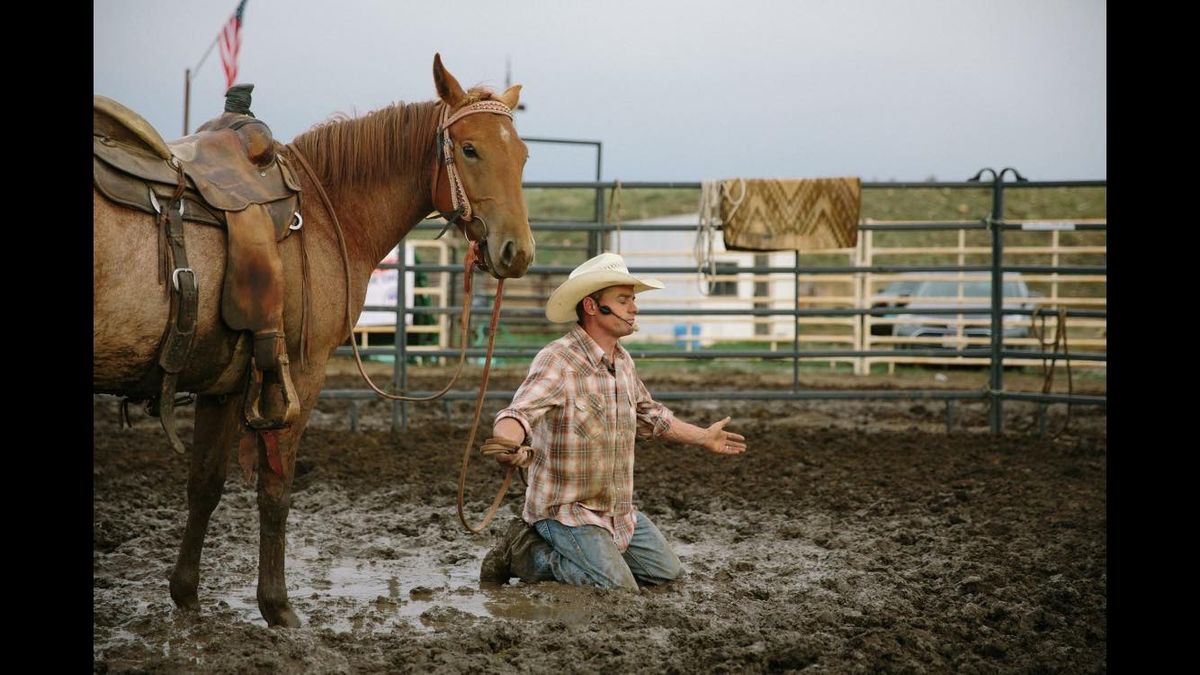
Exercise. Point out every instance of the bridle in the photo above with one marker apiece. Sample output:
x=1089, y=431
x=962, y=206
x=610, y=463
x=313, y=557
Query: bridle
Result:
x=459, y=212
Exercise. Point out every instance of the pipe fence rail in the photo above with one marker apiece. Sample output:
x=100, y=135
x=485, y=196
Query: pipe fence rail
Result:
x=597, y=229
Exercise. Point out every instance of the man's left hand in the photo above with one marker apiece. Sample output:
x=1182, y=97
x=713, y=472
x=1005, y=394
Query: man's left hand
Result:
x=722, y=442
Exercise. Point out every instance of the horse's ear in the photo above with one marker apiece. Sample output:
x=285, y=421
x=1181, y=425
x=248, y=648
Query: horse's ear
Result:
x=511, y=97
x=448, y=88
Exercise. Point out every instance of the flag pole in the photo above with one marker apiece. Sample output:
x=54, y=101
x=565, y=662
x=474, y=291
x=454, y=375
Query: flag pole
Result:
x=187, y=97
x=187, y=84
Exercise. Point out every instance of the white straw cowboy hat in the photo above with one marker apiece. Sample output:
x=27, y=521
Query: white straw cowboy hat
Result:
x=606, y=269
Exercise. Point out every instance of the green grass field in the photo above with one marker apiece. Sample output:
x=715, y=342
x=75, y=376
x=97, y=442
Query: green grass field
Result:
x=933, y=203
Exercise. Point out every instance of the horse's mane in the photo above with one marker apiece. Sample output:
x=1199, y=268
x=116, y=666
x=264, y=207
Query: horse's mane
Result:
x=395, y=139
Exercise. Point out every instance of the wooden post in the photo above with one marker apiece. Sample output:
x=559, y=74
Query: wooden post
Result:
x=187, y=97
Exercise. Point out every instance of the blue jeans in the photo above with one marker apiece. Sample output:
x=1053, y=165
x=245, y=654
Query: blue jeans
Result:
x=587, y=556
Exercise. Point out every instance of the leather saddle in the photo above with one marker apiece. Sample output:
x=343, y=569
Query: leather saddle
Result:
x=229, y=174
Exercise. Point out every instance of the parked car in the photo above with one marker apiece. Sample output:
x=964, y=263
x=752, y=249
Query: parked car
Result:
x=976, y=294
x=895, y=294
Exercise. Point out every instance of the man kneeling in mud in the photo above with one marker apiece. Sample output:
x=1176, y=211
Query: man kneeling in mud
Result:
x=579, y=411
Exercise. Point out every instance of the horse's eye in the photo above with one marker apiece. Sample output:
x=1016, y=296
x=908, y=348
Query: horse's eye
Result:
x=469, y=151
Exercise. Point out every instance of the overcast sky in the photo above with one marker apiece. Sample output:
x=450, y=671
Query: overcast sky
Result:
x=679, y=91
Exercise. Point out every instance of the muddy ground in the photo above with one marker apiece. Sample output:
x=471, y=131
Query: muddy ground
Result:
x=851, y=537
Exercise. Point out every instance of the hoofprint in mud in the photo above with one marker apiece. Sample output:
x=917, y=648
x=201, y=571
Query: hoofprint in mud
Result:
x=851, y=536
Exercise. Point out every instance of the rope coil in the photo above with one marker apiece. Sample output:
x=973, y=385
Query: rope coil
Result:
x=497, y=445
x=712, y=193
x=1054, y=343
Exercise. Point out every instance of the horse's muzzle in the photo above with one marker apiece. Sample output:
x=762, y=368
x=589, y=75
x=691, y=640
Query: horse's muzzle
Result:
x=512, y=257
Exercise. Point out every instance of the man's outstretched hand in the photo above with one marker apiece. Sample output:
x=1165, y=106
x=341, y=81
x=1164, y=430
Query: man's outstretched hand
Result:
x=722, y=442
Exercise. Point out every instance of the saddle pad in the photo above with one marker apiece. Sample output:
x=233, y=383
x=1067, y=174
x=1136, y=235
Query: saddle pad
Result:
x=790, y=214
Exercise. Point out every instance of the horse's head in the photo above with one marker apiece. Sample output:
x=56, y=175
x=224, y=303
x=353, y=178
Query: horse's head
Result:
x=477, y=180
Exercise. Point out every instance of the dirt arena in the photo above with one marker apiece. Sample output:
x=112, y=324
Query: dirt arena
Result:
x=851, y=537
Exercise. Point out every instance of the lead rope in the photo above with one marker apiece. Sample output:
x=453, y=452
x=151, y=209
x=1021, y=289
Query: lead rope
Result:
x=494, y=445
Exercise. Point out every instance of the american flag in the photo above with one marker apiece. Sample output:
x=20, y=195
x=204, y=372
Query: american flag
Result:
x=231, y=43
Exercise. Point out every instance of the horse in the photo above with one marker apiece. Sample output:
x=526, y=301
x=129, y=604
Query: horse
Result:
x=383, y=173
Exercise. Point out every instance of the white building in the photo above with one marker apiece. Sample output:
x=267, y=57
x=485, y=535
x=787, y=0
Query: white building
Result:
x=727, y=290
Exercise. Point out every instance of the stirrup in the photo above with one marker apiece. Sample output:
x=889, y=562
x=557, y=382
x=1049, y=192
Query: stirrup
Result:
x=254, y=392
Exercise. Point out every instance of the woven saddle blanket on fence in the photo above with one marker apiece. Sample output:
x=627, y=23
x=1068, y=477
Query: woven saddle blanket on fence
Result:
x=790, y=214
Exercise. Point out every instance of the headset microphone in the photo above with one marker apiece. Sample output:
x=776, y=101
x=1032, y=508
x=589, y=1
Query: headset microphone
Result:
x=605, y=309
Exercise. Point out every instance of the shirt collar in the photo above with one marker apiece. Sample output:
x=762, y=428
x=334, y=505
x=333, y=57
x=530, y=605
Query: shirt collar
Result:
x=594, y=354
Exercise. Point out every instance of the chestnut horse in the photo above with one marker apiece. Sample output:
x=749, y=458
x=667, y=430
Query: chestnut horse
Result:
x=382, y=176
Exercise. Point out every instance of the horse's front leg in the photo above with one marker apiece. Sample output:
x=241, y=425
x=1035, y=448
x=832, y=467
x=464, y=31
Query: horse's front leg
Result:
x=216, y=424
x=274, y=502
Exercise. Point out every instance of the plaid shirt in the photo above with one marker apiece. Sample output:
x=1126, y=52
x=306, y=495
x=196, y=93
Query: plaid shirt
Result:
x=582, y=421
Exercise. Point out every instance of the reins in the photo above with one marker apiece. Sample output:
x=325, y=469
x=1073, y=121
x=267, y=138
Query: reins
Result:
x=464, y=321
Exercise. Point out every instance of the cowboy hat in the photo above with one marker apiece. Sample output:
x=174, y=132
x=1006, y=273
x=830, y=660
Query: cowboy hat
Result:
x=606, y=269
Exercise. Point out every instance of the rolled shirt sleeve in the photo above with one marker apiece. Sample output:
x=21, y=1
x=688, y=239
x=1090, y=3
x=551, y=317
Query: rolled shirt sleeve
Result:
x=653, y=418
x=540, y=392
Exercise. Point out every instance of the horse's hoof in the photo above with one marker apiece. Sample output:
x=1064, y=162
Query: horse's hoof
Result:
x=187, y=604
x=284, y=618
x=184, y=595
